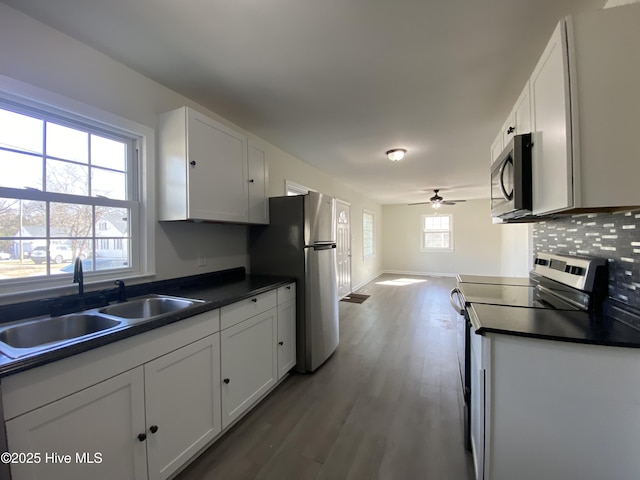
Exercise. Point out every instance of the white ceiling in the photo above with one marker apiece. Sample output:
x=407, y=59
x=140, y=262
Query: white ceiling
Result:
x=338, y=82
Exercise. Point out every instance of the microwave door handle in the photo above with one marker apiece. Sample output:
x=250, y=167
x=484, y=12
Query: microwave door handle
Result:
x=507, y=196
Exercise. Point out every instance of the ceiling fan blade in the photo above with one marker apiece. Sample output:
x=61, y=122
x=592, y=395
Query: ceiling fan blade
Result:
x=421, y=203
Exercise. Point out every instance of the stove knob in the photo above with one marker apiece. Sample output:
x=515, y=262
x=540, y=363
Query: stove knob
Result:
x=577, y=271
x=542, y=261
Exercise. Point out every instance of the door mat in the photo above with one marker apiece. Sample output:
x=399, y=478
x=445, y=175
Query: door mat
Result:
x=355, y=298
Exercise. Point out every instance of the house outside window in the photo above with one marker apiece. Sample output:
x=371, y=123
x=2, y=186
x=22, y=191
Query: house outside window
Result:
x=437, y=233
x=368, y=233
x=69, y=187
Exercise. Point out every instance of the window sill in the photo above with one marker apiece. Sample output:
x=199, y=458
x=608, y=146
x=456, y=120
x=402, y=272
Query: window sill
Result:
x=40, y=291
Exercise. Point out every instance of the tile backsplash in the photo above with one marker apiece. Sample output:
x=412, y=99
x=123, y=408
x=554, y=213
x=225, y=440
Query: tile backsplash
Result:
x=614, y=236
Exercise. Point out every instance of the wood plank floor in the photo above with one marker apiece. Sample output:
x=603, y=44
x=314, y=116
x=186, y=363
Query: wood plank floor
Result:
x=384, y=406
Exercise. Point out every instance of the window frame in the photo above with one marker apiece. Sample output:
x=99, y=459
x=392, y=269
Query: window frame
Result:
x=424, y=231
x=23, y=97
x=366, y=255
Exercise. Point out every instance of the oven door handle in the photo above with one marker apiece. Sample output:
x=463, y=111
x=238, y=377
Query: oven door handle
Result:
x=454, y=304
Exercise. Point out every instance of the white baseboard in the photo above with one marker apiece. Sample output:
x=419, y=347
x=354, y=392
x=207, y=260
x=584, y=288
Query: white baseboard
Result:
x=423, y=274
x=362, y=284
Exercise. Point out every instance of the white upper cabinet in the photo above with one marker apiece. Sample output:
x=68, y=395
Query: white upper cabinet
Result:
x=519, y=120
x=551, y=156
x=496, y=147
x=258, y=184
x=208, y=172
x=585, y=102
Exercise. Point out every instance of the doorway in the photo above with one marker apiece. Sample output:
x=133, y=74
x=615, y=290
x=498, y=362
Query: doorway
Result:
x=343, y=247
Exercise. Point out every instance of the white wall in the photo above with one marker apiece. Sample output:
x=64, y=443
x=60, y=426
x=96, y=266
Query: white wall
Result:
x=36, y=54
x=517, y=249
x=477, y=242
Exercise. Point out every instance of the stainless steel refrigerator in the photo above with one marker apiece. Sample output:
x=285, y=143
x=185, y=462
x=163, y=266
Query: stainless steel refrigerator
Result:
x=300, y=242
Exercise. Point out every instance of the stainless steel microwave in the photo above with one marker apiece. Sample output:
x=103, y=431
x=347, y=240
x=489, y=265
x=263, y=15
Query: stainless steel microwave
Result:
x=511, y=180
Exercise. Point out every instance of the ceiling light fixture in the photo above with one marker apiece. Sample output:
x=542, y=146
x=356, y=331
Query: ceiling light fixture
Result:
x=396, y=154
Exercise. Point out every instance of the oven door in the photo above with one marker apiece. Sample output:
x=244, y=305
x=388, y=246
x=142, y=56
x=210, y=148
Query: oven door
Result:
x=464, y=361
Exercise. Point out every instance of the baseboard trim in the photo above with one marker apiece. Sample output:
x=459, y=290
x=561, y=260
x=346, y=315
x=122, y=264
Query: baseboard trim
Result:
x=422, y=274
x=362, y=284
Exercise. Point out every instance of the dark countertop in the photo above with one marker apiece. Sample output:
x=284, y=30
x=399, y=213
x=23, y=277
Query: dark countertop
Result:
x=560, y=325
x=216, y=290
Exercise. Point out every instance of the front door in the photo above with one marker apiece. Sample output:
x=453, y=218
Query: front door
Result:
x=343, y=247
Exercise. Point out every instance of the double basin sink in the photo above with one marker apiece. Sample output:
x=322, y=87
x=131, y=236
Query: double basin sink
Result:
x=32, y=336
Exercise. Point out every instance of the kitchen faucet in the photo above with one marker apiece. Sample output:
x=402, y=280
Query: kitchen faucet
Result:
x=78, y=277
x=122, y=294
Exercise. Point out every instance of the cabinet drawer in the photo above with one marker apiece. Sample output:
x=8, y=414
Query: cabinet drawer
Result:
x=239, y=311
x=286, y=293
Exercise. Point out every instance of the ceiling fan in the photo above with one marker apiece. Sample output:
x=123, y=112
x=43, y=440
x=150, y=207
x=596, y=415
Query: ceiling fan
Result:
x=437, y=201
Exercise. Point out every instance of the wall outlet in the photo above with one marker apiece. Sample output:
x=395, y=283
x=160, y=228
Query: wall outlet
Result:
x=202, y=260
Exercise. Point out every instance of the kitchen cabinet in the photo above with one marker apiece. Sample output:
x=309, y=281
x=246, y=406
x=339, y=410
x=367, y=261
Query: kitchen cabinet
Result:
x=479, y=351
x=258, y=184
x=554, y=410
x=103, y=420
x=584, y=104
x=496, y=147
x=183, y=410
x=248, y=363
x=146, y=404
x=517, y=123
x=286, y=329
x=209, y=172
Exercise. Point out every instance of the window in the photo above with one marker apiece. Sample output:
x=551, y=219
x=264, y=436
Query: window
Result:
x=69, y=187
x=368, y=233
x=437, y=233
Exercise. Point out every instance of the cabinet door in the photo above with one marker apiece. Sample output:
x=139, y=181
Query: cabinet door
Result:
x=182, y=393
x=522, y=112
x=248, y=363
x=217, y=177
x=258, y=182
x=551, y=155
x=477, y=406
x=98, y=427
x=496, y=147
x=286, y=337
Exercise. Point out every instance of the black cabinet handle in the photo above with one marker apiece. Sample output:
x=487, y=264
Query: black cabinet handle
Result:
x=153, y=428
x=511, y=129
x=251, y=180
x=142, y=437
x=193, y=162
x=254, y=300
x=280, y=343
x=226, y=380
x=288, y=287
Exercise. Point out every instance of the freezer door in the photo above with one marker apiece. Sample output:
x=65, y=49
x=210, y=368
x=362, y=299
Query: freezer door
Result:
x=321, y=306
x=319, y=211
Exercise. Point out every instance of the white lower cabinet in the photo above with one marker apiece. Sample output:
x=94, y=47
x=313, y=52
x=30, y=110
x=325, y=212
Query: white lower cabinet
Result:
x=182, y=393
x=178, y=393
x=248, y=363
x=103, y=420
x=142, y=408
x=286, y=337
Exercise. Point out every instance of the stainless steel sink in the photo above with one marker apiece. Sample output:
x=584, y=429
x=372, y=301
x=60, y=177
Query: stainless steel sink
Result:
x=25, y=338
x=32, y=336
x=148, y=307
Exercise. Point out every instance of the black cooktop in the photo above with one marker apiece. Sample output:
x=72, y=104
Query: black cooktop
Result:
x=569, y=326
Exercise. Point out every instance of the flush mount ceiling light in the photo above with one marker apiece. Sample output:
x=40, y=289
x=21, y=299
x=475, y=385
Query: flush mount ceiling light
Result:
x=396, y=154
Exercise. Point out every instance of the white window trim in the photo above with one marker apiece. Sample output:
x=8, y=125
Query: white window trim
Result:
x=30, y=96
x=296, y=188
x=451, y=248
x=369, y=212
